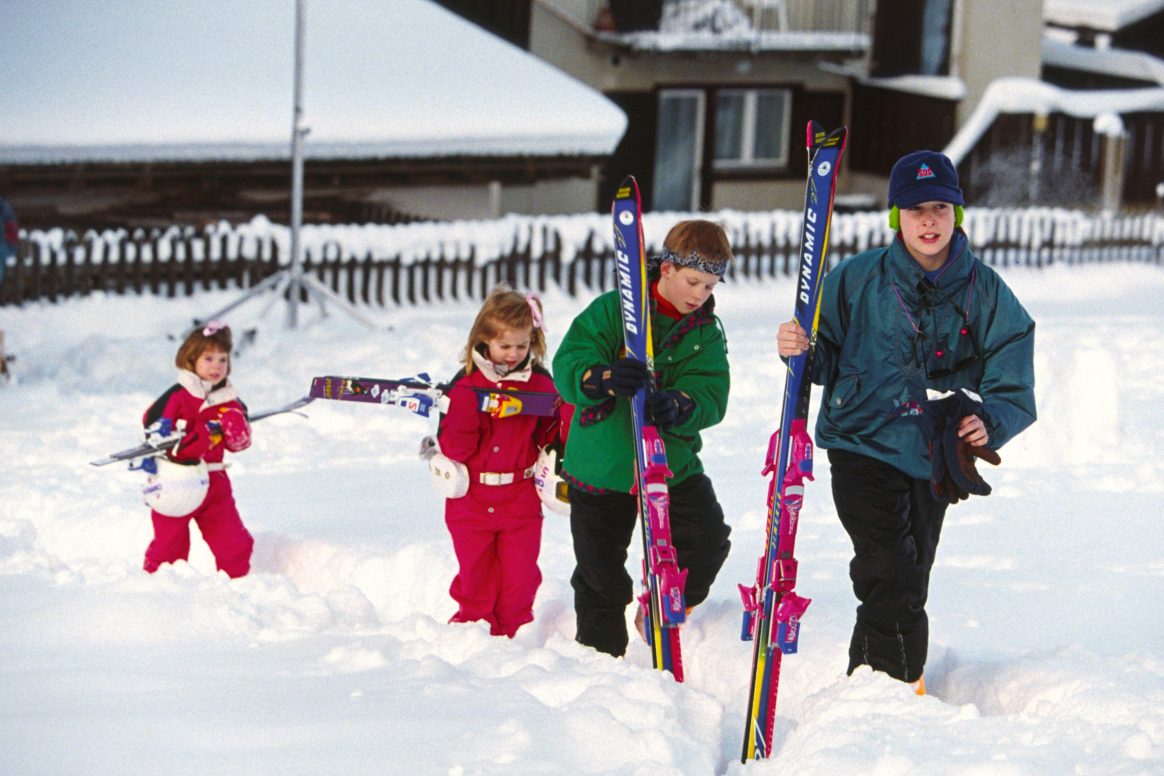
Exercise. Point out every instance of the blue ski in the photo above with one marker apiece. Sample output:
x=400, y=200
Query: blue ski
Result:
x=662, y=599
x=772, y=609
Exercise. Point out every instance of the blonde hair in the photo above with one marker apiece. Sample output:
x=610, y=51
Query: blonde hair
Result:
x=505, y=308
x=198, y=342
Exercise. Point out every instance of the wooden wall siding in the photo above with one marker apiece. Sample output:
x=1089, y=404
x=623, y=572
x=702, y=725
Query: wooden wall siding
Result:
x=887, y=124
x=188, y=260
x=1144, y=163
x=158, y=194
x=635, y=154
x=1067, y=154
x=1145, y=35
x=507, y=19
x=1079, y=79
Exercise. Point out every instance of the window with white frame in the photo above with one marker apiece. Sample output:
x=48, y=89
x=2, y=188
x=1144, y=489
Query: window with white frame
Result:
x=751, y=128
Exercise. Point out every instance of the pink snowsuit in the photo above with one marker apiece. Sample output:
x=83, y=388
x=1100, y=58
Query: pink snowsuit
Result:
x=497, y=526
x=217, y=516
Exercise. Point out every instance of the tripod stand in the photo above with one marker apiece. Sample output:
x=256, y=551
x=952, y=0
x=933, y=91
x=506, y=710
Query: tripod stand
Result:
x=290, y=283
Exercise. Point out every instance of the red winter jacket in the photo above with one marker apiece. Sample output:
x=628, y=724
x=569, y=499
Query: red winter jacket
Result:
x=490, y=444
x=180, y=403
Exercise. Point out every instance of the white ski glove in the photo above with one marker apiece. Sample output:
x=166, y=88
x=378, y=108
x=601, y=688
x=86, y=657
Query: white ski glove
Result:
x=449, y=478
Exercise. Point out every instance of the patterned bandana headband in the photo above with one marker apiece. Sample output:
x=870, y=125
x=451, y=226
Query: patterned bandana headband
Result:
x=695, y=261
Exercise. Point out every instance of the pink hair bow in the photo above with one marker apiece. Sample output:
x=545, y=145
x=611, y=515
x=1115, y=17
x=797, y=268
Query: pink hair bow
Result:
x=531, y=299
x=212, y=328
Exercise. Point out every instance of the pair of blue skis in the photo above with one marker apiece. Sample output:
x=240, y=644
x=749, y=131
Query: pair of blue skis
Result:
x=661, y=601
x=772, y=609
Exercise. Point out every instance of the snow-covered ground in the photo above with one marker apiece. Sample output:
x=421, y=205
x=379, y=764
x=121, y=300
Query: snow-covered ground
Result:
x=333, y=656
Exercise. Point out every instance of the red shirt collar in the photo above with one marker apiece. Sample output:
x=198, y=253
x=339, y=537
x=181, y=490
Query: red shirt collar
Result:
x=662, y=305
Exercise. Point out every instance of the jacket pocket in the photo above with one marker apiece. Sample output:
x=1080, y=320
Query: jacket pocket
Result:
x=841, y=396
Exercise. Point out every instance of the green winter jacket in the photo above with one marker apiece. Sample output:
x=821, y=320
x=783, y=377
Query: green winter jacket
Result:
x=887, y=333
x=690, y=356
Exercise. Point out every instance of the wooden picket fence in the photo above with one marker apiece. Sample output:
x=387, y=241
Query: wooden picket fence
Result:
x=185, y=260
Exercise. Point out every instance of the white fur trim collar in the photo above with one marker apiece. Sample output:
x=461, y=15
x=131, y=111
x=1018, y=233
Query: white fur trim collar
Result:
x=209, y=394
x=491, y=370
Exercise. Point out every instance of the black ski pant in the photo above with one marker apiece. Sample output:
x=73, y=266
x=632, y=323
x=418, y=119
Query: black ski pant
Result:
x=894, y=523
x=602, y=526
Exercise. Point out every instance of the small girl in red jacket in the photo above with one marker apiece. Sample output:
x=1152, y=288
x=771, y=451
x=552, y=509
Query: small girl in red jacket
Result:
x=497, y=526
x=203, y=404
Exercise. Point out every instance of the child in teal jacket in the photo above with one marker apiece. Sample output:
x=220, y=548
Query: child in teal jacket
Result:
x=899, y=325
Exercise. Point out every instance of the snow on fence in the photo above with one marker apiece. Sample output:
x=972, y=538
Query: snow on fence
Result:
x=415, y=263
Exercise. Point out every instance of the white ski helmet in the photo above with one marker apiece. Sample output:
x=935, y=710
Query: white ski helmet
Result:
x=176, y=489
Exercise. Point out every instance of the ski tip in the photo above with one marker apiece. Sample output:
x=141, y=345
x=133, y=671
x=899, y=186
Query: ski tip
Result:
x=816, y=136
x=628, y=189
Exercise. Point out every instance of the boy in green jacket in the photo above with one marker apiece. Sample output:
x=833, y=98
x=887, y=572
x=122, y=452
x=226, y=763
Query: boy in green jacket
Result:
x=914, y=339
x=691, y=389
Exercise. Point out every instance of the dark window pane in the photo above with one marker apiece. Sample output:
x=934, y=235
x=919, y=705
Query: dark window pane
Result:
x=729, y=125
x=770, y=138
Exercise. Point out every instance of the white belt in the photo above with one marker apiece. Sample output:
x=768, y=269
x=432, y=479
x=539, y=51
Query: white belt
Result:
x=503, y=478
x=216, y=467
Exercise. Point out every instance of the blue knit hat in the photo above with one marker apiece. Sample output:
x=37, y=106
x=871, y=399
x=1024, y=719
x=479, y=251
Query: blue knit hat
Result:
x=924, y=176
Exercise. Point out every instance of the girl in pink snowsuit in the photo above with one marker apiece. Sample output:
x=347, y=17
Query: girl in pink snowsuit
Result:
x=497, y=526
x=214, y=421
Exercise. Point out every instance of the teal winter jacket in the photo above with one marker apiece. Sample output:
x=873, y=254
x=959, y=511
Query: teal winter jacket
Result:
x=887, y=333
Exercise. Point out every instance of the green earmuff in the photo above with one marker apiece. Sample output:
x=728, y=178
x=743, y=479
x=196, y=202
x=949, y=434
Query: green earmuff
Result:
x=895, y=217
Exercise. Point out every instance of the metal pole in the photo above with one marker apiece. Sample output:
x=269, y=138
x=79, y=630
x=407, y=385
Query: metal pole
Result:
x=297, y=135
x=292, y=283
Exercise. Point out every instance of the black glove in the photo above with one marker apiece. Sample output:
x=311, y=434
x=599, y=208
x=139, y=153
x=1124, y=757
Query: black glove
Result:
x=622, y=378
x=953, y=474
x=668, y=408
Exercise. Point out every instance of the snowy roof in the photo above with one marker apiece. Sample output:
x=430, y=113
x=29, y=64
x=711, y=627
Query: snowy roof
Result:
x=1105, y=15
x=941, y=86
x=172, y=80
x=1025, y=95
x=1123, y=63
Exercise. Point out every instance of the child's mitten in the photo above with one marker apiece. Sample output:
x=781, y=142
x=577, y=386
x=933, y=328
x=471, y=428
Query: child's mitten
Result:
x=236, y=431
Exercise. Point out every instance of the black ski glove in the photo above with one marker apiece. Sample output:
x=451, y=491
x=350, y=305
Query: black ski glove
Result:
x=668, y=408
x=622, y=378
x=953, y=473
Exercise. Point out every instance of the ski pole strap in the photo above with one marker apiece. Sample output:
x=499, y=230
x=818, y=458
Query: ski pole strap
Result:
x=505, y=478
